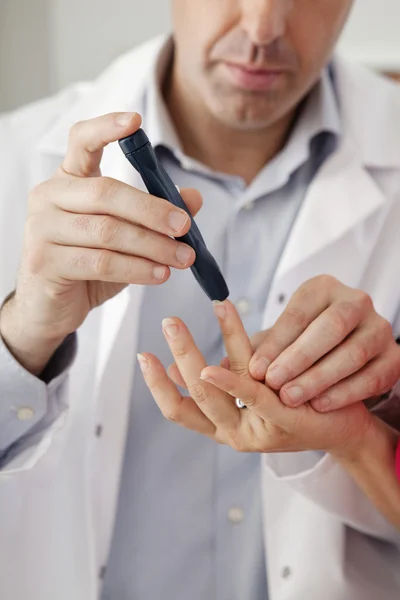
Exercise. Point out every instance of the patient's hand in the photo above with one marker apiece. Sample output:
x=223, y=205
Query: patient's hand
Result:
x=267, y=425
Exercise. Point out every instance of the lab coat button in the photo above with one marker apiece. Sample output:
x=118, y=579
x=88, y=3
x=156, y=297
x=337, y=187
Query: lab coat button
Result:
x=235, y=515
x=25, y=413
x=102, y=572
x=248, y=206
x=186, y=164
x=243, y=306
x=286, y=572
x=281, y=298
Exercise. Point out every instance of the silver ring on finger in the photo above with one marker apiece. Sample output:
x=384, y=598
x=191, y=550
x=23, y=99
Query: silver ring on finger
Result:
x=240, y=404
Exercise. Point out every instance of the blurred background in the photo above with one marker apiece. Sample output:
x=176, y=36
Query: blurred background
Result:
x=47, y=44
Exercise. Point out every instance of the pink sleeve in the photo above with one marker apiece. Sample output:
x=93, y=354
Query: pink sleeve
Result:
x=398, y=460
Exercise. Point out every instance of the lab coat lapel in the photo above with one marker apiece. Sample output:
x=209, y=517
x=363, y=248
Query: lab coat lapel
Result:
x=341, y=196
x=335, y=230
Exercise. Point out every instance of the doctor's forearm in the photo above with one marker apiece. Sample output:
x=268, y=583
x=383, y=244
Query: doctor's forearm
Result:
x=373, y=470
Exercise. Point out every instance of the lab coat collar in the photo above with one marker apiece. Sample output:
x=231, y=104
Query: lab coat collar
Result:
x=340, y=197
x=365, y=97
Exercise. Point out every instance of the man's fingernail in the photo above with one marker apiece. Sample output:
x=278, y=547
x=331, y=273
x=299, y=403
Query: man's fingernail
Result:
x=323, y=403
x=143, y=363
x=184, y=254
x=177, y=220
x=295, y=394
x=219, y=309
x=260, y=366
x=277, y=376
x=170, y=328
x=159, y=272
x=124, y=119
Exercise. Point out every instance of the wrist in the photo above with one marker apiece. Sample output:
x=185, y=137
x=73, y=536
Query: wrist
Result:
x=372, y=468
x=377, y=441
x=30, y=344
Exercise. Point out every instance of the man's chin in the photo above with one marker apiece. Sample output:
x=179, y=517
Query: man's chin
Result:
x=244, y=118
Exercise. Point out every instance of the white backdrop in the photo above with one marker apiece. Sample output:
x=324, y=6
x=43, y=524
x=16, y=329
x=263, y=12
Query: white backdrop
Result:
x=46, y=44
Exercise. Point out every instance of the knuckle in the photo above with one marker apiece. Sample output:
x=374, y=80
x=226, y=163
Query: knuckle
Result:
x=173, y=415
x=297, y=316
x=82, y=223
x=100, y=188
x=199, y=393
x=338, y=324
x=306, y=292
x=359, y=355
x=375, y=384
x=77, y=261
x=324, y=281
x=76, y=130
x=240, y=368
x=301, y=356
x=32, y=227
x=35, y=257
x=386, y=329
x=181, y=351
x=107, y=230
x=143, y=202
x=390, y=376
x=363, y=300
x=152, y=210
x=140, y=234
x=349, y=310
x=36, y=197
x=103, y=263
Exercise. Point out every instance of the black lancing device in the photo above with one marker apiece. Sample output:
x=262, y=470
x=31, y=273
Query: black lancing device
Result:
x=140, y=153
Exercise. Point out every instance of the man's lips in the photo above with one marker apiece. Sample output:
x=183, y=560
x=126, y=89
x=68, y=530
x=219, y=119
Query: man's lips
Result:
x=253, y=78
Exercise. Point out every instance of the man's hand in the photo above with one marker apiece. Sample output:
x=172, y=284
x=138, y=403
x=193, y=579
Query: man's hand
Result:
x=86, y=238
x=266, y=425
x=329, y=347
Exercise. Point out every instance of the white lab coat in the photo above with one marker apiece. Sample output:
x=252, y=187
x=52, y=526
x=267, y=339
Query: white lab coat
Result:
x=58, y=495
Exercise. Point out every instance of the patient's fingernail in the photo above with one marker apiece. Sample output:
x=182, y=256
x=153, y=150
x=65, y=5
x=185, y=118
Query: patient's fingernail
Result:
x=277, y=376
x=143, y=363
x=219, y=309
x=170, y=328
x=260, y=366
x=206, y=377
x=295, y=395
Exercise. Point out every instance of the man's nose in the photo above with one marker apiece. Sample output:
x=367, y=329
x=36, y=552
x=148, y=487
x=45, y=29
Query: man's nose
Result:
x=265, y=20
